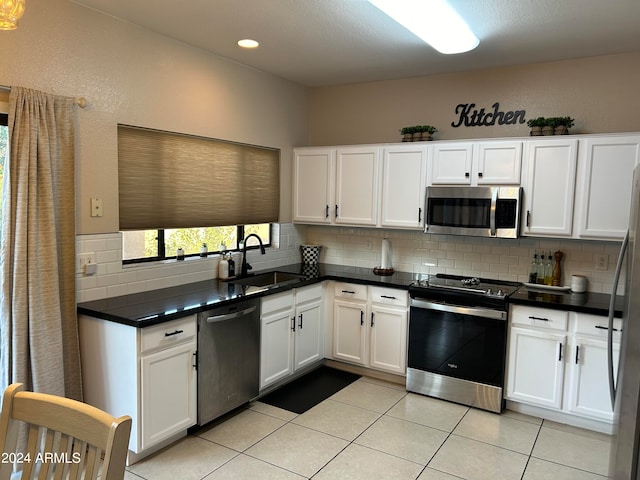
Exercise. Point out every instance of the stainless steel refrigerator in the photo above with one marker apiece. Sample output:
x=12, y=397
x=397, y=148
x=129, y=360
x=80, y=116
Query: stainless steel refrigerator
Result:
x=625, y=390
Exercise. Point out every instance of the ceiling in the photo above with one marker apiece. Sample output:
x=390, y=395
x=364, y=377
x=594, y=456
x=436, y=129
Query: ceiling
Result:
x=332, y=42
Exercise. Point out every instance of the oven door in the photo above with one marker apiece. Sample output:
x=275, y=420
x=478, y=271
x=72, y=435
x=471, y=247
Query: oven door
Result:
x=457, y=353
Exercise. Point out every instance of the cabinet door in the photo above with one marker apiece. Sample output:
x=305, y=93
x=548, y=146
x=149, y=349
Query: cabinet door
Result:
x=589, y=387
x=168, y=393
x=403, y=187
x=536, y=367
x=549, y=187
x=452, y=164
x=349, y=331
x=606, y=167
x=313, y=185
x=308, y=343
x=357, y=185
x=388, y=339
x=498, y=163
x=276, y=346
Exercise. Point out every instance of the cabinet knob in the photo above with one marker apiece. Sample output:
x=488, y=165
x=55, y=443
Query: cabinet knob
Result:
x=480, y=174
x=466, y=175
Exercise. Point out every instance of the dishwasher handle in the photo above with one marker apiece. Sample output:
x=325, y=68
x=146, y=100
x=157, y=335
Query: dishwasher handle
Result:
x=230, y=316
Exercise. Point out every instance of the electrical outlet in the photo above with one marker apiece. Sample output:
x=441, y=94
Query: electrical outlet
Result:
x=83, y=259
x=601, y=261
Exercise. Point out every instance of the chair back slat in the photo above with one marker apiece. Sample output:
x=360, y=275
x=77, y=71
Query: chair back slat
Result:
x=66, y=439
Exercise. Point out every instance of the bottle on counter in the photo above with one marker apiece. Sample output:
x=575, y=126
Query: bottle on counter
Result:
x=548, y=270
x=223, y=267
x=232, y=266
x=180, y=254
x=540, y=270
x=533, y=269
x=204, y=250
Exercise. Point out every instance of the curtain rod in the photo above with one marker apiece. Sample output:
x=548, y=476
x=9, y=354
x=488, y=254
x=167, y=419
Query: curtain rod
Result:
x=79, y=101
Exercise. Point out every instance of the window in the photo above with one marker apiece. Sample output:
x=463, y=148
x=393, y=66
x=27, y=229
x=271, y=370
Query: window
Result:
x=152, y=245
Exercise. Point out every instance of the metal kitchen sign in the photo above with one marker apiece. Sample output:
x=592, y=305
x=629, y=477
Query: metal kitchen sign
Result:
x=470, y=116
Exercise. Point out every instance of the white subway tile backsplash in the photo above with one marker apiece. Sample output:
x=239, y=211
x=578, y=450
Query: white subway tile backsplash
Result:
x=412, y=251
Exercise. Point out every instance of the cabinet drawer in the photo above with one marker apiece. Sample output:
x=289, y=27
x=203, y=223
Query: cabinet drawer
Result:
x=596, y=325
x=168, y=334
x=389, y=296
x=350, y=290
x=539, y=317
x=279, y=301
x=308, y=294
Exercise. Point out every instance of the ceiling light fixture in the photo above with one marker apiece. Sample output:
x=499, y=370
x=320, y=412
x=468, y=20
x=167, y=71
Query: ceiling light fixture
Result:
x=434, y=21
x=10, y=13
x=248, y=43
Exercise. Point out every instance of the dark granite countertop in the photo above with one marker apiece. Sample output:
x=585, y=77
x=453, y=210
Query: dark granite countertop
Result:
x=588, y=302
x=157, y=306
x=150, y=308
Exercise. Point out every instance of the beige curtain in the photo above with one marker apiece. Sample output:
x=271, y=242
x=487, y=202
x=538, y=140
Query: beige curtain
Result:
x=39, y=324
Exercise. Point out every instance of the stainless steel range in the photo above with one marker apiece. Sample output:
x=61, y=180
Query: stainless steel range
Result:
x=458, y=338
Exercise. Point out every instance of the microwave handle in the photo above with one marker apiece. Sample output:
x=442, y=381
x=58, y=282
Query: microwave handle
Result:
x=492, y=218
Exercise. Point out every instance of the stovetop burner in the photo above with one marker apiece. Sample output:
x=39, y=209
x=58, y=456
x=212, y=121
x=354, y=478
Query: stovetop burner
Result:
x=470, y=289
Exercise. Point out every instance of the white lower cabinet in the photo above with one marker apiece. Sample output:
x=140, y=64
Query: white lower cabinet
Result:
x=558, y=360
x=370, y=326
x=291, y=333
x=147, y=373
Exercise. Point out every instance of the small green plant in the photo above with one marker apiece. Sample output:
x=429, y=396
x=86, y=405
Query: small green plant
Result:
x=407, y=130
x=551, y=121
x=428, y=129
x=537, y=122
x=564, y=121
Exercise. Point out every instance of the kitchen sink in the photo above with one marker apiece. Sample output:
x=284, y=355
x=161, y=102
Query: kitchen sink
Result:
x=270, y=279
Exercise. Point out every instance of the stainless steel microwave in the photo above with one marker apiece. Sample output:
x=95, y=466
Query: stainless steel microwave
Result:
x=477, y=211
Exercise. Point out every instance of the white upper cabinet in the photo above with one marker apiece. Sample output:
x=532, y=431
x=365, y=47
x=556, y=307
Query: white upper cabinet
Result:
x=477, y=163
x=548, y=186
x=604, y=185
x=313, y=183
x=451, y=164
x=404, y=171
x=357, y=179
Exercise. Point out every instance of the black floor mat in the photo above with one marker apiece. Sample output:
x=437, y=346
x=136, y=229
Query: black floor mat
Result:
x=306, y=392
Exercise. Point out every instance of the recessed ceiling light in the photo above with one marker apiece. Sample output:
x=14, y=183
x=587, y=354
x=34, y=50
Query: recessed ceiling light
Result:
x=434, y=21
x=248, y=43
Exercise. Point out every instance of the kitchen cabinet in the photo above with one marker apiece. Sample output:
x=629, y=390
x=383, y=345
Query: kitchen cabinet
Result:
x=149, y=374
x=557, y=360
x=404, y=177
x=291, y=333
x=477, y=163
x=603, y=196
x=336, y=185
x=548, y=187
x=313, y=185
x=388, y=329
x=370, y=326
x=357, y=185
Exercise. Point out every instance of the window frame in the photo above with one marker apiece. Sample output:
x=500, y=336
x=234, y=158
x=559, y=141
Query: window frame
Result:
x=162, y=256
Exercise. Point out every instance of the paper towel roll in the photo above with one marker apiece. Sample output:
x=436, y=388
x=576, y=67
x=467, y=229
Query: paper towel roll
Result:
x=386, y=254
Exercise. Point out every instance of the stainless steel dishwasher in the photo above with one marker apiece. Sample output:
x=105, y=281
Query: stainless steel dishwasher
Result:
x=228, y=358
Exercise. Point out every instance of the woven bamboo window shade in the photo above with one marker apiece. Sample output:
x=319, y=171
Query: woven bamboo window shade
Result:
x=171, y=180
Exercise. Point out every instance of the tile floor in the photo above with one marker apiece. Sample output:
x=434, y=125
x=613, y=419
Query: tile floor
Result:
x=374, y=429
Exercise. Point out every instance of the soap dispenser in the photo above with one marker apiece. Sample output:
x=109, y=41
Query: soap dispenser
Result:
x=223, y=267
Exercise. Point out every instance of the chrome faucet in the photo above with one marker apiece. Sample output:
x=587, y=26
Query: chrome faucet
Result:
x=245, y=266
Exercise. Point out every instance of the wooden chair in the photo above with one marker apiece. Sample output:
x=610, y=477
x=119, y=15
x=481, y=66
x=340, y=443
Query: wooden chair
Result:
x=67, y=439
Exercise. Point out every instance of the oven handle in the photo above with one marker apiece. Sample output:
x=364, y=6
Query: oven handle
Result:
x=445, y=307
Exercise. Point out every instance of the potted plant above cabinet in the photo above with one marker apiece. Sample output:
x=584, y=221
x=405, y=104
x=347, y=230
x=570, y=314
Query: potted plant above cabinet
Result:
x=417, y=133
x=536, y=125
